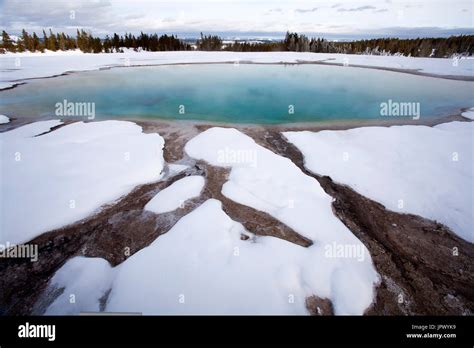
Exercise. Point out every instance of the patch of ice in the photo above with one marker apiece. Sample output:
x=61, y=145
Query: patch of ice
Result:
x=176, y=194
x=411, y=169
x=175, y=168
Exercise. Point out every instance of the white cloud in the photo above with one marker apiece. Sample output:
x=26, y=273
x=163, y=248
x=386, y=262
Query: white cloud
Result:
x=350, y=16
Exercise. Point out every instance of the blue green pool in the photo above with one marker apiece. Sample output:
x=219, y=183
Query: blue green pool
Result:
x=247, y=93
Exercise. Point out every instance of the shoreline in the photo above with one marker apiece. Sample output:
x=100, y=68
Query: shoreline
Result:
x=315, y=126
x=18, y=82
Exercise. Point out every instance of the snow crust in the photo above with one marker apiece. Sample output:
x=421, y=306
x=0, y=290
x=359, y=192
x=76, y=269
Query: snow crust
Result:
x=265, y=181
x=421, y=170
x=4, y=119
x=469, y=113
x=176, y=194
x=54, y=179
x=202, y=266
x=85, y=281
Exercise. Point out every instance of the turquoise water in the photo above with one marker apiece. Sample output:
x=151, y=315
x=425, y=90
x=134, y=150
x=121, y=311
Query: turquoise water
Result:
x=248, y=93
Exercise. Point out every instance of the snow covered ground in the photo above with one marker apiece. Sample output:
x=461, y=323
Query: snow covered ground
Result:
x=268, y=182
x=176, y=194
x=4, y=119
x=422, y=170
x=469, y=113
x=201, y=266
x=55, y=179
x=19, y=66
x=87, y=279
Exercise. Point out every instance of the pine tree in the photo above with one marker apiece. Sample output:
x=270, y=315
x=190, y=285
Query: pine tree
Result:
x=52, y=42
x=107, y=44
x=116, y=42
x=25, y=37
x=61, y=41
x=7, y=42
x=45, y=40
x=35, y=43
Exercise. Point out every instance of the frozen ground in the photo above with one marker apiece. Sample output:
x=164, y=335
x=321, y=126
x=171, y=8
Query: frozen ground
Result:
x=55, y=179
x=19, y=66
x=202, y=266
x=422, y=170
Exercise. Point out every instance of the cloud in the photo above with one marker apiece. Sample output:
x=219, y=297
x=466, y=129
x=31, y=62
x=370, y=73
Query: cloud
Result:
x=103, y=17
x=357, y=9
x=36, y=15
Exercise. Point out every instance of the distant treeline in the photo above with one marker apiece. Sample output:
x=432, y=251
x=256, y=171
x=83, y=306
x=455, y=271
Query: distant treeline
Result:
x=89, y=44
x=421, y=47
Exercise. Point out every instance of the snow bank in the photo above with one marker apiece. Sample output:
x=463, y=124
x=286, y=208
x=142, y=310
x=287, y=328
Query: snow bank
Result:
x=440, y=66
x=201, y=266
x=265, y=181
x=52, y=180
x=469, y=113
x=20, y=66
x=85, y=281
x=274, y=184
x=4, y=119
x=412, y=169
x=176, y=194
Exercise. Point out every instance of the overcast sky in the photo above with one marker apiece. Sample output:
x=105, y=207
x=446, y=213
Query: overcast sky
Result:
x=340, y=17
